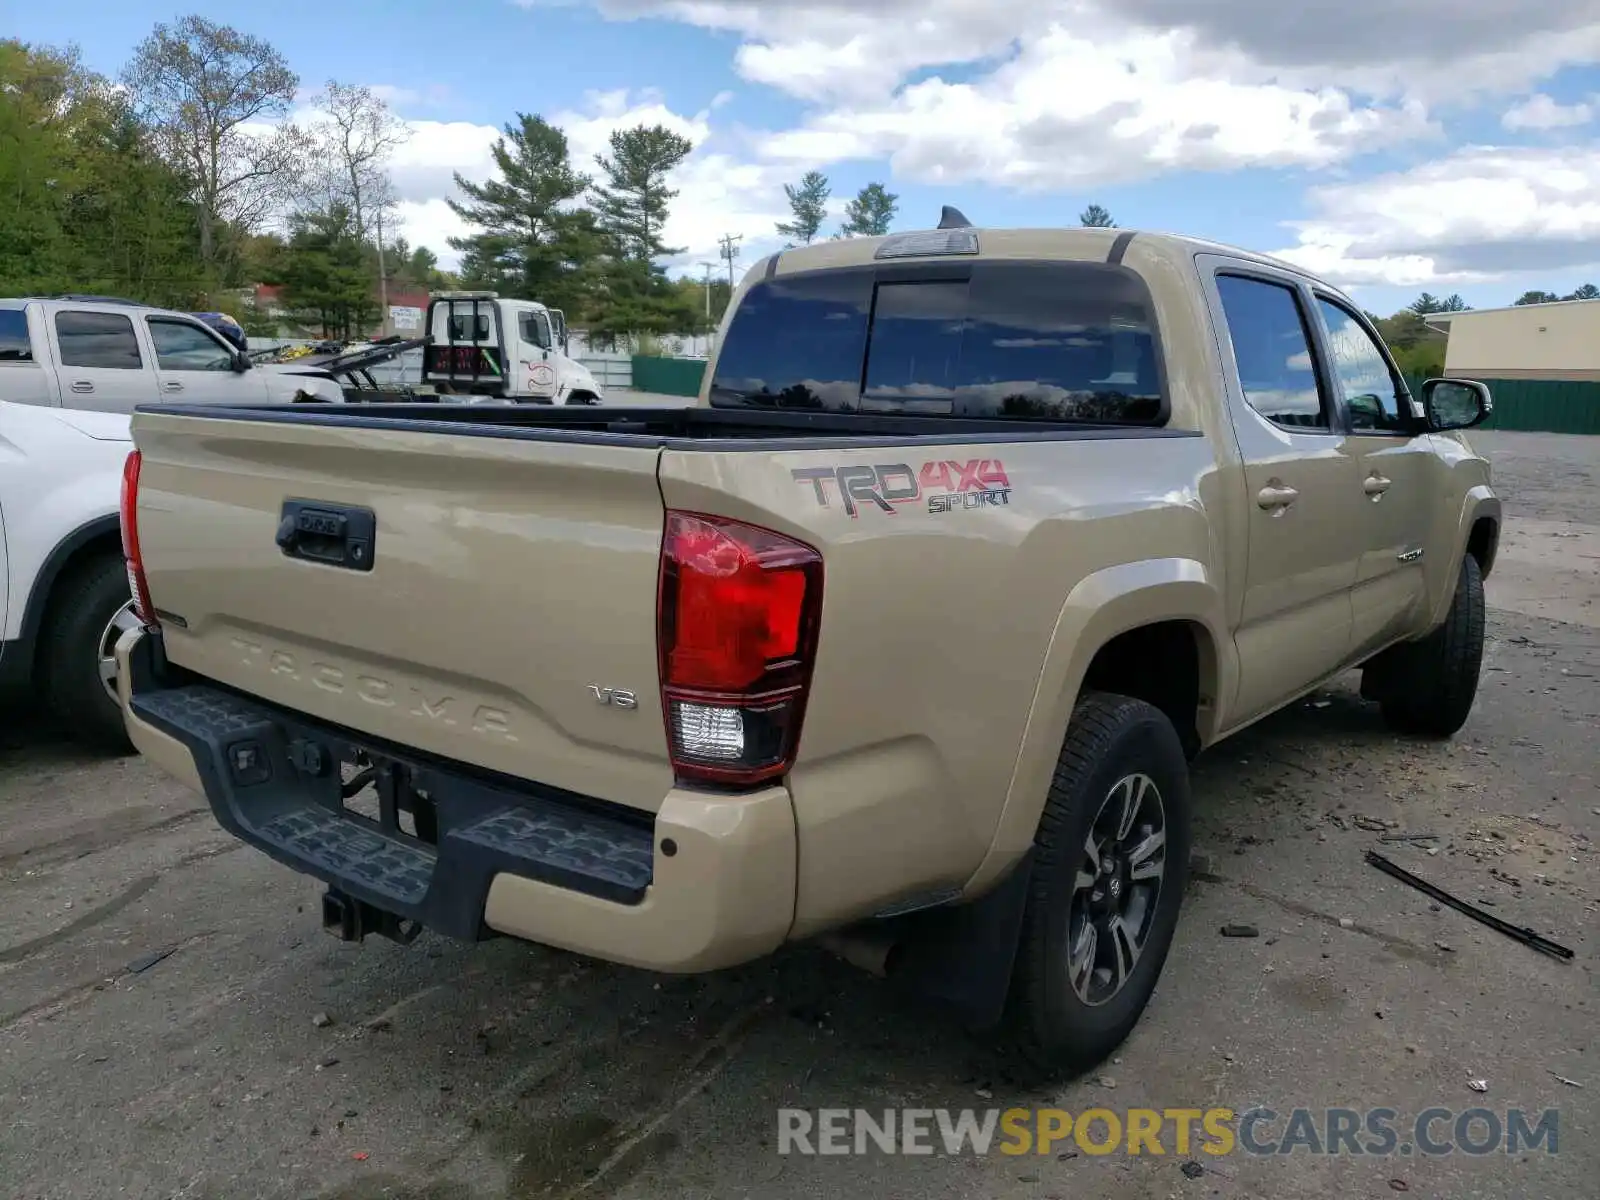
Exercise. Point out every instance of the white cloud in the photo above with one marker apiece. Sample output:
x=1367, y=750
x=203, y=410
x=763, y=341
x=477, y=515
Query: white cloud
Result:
x=1482, y=212
x=1136, y=107
x=1539, y=111
x=1038, y=95
x=814, y=48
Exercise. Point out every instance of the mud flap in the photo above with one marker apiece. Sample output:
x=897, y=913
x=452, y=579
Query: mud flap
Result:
x=961, y=957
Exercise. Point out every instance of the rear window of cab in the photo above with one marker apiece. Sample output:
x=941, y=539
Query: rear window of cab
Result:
x=1071, y=342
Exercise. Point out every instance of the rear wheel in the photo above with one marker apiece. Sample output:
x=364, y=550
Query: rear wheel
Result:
x=90, y=612
x=1110, y=861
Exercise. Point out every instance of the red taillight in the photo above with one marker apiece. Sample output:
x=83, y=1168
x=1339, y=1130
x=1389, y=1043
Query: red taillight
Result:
x=738, y=614
x=137, y=585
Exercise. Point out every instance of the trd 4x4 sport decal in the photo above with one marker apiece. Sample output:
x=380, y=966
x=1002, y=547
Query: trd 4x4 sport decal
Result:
x=944, y=486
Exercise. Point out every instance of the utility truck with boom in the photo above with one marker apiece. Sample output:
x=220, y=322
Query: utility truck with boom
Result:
x=900, y=639
x=484, y=348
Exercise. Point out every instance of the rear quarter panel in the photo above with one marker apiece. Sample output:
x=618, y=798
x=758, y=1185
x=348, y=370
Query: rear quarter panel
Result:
x=941, y=621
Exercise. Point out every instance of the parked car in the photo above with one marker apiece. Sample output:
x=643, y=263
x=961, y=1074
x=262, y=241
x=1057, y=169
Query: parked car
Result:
x=110, y=355
x=64, y=597
x=901, y=637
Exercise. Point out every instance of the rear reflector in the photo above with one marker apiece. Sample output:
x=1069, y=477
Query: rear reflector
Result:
x=738, y=614
x=138, y=586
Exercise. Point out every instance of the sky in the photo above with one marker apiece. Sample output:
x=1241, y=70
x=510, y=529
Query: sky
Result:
x=1392, y=146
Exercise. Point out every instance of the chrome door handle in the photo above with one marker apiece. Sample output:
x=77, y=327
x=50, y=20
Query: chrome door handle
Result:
x=172, y=385
x=1276, y=496
x=82, y=385
x=1376, y=485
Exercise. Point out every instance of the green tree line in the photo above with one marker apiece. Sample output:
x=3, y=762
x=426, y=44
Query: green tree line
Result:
x=161, y=186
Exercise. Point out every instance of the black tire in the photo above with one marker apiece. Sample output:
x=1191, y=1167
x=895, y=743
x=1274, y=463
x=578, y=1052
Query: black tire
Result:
x=81, y=608
x=1054, y=1027
x=1427, y=687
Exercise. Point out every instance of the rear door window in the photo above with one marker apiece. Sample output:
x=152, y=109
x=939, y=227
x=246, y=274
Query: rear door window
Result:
x=93, y=339
x=14, y=343
x=1272, y=349
x=1053, y=342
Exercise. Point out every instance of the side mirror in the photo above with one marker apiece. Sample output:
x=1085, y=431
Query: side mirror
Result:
x=1455, y=403
x=241, y=361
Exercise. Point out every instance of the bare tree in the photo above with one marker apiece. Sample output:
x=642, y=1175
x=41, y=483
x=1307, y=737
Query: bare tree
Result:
x=211, y=95
x=355, y=135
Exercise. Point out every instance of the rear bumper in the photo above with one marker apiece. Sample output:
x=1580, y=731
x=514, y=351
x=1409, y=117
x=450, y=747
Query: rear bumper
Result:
x=706, y=882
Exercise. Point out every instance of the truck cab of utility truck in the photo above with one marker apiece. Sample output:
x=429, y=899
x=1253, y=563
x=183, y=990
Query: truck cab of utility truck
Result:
x=484, y=348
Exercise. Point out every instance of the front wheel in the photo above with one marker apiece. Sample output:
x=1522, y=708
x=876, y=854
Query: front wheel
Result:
x=1428, y=687
x=1111, y=858
x=89, y=614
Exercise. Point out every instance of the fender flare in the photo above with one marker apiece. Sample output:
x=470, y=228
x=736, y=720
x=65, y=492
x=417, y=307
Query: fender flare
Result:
x=54, y=564
x=1102, y=606
x=1478, y=504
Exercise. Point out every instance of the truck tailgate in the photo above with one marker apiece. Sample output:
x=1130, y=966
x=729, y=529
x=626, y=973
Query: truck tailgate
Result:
x=510, y=594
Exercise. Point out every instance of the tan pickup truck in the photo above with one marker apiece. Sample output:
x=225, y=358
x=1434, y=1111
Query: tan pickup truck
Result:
x=900, y=638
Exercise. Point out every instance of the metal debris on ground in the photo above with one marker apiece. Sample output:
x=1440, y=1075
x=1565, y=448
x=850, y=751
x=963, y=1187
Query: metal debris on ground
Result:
x=1409, y=837
x=140, y=965
x=1565, y=1080
x=1192, y=1169
x=1240, y=931
x=1519, y=933
x=322, y=1020
x=1399, y=1185
x=1478, y=1085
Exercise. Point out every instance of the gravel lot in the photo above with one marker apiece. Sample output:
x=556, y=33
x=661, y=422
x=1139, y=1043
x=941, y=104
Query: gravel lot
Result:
x=172, y=1022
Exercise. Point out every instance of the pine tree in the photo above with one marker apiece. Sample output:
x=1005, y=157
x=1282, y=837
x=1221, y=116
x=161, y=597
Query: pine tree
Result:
x=870, y=213
x=808, y=201
x=1095, y=217
x=531, y=244
x=631, y=205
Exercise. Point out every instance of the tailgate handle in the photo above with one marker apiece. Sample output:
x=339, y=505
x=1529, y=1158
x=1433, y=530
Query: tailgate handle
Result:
x=335, y=535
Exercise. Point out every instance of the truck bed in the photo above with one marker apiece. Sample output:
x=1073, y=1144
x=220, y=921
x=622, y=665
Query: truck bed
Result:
x=674, y=428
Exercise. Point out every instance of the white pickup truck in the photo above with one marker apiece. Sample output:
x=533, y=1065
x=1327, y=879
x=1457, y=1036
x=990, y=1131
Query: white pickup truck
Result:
x=64, y=598
x=485, y=349
x=112, y=355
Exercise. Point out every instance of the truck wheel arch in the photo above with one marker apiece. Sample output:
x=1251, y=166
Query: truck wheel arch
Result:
x=1112, y=633
x=103, y=535
x=1475, y=531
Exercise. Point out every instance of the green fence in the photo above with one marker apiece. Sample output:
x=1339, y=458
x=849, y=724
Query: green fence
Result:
x=1539, y=405
x=668, y=376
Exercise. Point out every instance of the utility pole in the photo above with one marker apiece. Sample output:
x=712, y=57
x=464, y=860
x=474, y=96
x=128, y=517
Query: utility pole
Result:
x=708, y=267
x=383, y=278
x=730, y=252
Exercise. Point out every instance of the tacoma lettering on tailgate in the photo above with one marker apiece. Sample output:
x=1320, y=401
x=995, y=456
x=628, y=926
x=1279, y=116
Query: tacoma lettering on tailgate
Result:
x=483, y=719
x=945, y=486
